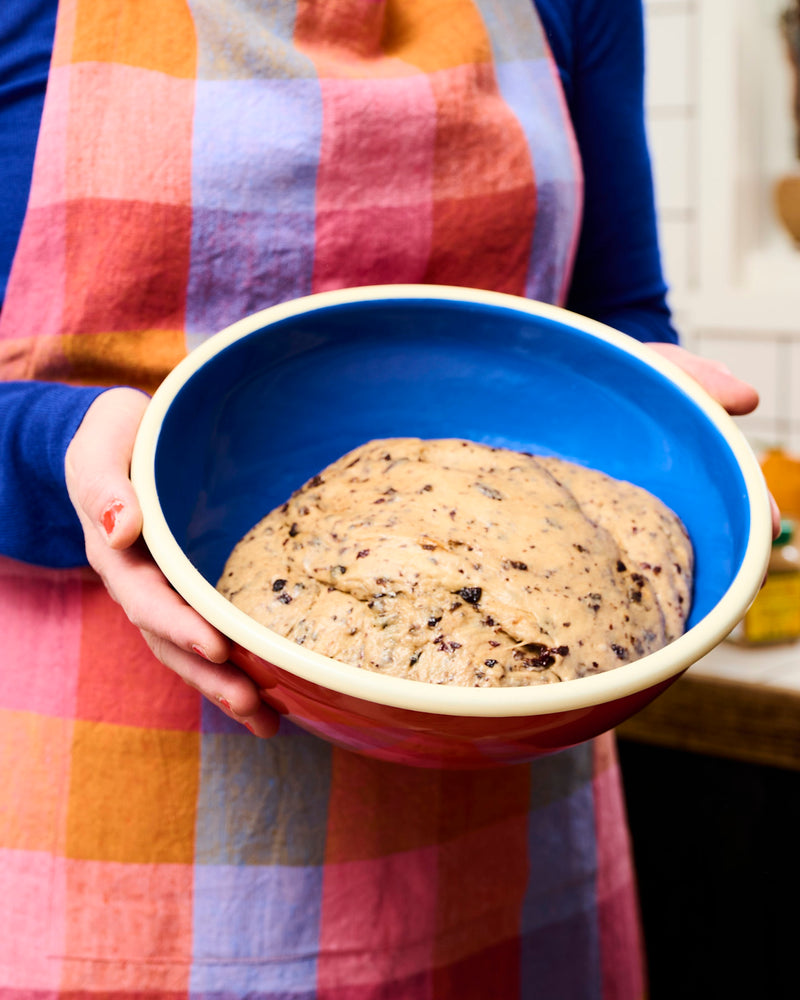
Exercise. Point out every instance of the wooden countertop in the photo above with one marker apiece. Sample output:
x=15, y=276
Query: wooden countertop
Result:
x=740, y=703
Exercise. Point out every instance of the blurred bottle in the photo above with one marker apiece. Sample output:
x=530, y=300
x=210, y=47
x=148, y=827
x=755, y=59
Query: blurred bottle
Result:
x=774, y=616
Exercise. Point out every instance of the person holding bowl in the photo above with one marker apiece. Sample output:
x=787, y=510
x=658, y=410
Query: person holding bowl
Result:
x=196, y=162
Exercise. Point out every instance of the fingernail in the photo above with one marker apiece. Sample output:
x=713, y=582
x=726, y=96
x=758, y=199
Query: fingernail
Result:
x=200, y=652
x=224, y=704
x=110, y=515
x=249, y=727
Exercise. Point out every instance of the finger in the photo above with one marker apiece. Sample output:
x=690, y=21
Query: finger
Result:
x=136, y=583
x=776, y=516
x=97, y=467
x=223, y=684
x=735, y=395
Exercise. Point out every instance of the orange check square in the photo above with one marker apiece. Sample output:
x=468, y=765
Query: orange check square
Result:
x=133, y=794
x=156, y=34
x=35, y=754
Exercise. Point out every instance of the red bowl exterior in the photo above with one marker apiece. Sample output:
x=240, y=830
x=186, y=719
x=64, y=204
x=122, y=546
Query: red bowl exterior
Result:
x=421, y=739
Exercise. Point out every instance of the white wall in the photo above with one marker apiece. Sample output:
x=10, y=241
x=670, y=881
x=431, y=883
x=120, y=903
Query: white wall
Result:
x=721, y=132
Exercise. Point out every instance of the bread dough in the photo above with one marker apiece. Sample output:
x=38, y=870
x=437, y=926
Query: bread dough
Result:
x=453, y=562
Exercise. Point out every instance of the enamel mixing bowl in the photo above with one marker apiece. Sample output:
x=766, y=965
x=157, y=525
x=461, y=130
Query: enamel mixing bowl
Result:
x=260, y=407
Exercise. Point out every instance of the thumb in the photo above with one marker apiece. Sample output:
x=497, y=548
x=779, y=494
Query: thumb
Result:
x=735, y=395
x=97, y=467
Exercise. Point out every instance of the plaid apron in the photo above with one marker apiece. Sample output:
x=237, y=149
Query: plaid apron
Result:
x=199, y=160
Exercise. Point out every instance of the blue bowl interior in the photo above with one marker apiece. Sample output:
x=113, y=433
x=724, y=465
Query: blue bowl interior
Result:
x=276, y=406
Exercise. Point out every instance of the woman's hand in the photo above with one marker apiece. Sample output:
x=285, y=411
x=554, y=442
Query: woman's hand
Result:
x=97, y=473
x=736, y=396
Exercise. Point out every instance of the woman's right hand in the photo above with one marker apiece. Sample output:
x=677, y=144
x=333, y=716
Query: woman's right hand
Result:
x=97, y=470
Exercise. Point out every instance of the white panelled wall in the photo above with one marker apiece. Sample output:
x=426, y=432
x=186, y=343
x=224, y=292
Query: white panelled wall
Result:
x=721, y=131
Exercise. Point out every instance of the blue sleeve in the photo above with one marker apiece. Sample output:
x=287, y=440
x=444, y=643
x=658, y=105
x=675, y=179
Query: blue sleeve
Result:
x=38, y=523
x=37, y=421
x=26, y=42
x=598, y=46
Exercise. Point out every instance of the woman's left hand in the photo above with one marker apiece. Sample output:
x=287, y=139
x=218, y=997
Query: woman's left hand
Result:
x=96, y=470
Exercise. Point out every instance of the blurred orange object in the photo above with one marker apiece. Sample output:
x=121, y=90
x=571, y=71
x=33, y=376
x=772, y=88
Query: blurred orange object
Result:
x=782, y=473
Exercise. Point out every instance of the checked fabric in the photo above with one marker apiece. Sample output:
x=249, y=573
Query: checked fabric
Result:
x=199, y=160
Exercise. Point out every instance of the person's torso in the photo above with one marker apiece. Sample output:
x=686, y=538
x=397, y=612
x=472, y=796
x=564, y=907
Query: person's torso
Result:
x=192, y=169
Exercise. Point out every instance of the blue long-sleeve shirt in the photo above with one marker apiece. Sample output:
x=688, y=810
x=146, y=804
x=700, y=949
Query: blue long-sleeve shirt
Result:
x=598, y=47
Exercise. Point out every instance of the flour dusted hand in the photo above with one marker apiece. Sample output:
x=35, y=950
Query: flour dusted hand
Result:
x=458, y=563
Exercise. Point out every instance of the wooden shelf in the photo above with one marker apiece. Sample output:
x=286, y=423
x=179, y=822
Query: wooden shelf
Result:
x=740, y=720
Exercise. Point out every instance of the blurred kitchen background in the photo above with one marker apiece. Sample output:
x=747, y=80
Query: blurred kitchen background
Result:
x=720, y=95
x=712, y=769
